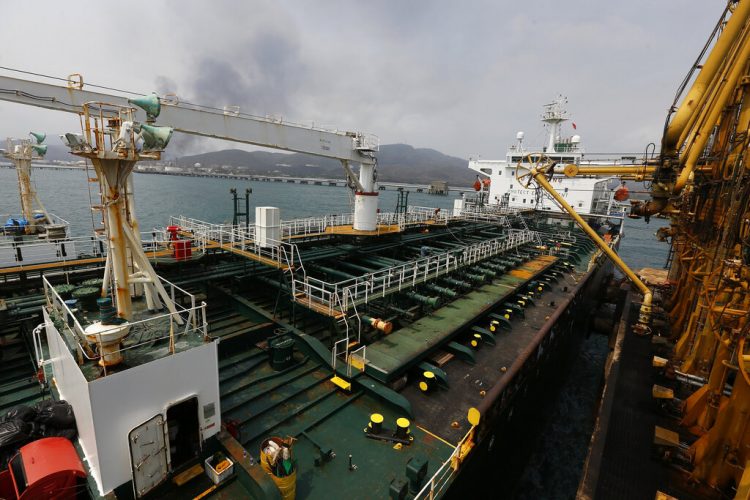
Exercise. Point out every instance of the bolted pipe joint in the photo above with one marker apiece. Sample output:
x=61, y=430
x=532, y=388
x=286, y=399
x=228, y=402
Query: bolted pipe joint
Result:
x=383, y=326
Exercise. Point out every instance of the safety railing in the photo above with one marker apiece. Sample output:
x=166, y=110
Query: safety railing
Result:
x=29, y=252
x=188, y=320
x=11, y=224
x=438, y=482
x=240, y=239
x=362, y=289
x=326, y=224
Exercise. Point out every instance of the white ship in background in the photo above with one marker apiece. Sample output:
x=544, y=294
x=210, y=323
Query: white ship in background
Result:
x=587, y=194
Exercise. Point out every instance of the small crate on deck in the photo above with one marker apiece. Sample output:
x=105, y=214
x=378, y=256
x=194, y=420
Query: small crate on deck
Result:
x=215, y=462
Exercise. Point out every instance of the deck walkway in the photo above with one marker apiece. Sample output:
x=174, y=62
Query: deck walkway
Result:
x=392, y=355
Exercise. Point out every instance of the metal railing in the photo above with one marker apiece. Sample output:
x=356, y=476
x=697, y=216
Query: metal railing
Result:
x=440, y=479
x=326, y=224
x=240, y=238
x=377, y=284
x=29, y=252
x=11, y=229
x=185, y=321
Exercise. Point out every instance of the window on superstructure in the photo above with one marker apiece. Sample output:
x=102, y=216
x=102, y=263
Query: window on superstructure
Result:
x=524, y=200
x=566, y=190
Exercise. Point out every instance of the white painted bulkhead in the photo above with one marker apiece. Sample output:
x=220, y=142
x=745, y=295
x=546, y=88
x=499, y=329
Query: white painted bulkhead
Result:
x=580, y=192
x=108, y=408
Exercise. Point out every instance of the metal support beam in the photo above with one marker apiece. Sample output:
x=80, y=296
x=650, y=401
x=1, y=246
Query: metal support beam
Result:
x=540, y=176
x=194, y=120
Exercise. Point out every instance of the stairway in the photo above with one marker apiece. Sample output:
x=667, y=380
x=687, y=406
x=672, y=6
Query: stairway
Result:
x=18, y=382
x=262, y=402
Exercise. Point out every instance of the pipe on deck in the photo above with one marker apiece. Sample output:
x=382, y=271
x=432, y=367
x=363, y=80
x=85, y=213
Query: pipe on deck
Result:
x=645, y=312
x=707, y=73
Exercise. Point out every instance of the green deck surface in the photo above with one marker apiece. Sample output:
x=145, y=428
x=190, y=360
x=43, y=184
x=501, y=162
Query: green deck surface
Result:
x=18, y=382
x=303, y=403
x=390, y=356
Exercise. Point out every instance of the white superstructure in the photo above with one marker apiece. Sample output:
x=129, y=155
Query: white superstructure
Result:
x=587, y=194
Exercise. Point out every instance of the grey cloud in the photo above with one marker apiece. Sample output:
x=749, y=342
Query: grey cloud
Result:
x=460, y=77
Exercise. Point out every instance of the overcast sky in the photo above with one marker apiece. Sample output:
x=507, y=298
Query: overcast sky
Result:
x=458, y=76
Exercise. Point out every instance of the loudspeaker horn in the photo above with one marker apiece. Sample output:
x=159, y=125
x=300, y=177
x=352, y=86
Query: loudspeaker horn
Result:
x=150, y=104
x=155, y=138
x=39, y=136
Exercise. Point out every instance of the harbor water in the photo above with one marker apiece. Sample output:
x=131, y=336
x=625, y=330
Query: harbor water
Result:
x=67, y=193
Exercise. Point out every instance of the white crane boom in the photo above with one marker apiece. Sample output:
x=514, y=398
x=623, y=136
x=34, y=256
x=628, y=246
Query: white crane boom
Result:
x=228, y=125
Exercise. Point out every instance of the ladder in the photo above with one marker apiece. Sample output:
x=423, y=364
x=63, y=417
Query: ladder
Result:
x=342, y=348
x=99, y=230
x=522, y=222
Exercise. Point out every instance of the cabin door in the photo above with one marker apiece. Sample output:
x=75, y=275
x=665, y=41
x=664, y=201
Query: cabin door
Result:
x=148, y=455
x=183, y=432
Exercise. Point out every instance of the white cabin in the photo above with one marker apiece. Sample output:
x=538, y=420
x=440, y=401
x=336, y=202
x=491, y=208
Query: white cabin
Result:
x=587, y=195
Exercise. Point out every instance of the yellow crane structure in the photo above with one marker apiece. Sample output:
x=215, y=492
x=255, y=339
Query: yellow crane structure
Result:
x=701, y=181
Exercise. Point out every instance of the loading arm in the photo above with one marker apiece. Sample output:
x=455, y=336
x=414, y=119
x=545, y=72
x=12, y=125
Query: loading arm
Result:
x=540, y=173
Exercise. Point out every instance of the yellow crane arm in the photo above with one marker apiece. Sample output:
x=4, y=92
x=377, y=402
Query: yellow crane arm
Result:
x=540, y=176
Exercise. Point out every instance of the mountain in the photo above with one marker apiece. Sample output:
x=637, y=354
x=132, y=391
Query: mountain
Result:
x=396, y=163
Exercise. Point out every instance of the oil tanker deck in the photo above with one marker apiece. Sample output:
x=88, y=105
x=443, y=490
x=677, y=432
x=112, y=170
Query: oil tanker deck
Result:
x=450, y=330
x=377, y=354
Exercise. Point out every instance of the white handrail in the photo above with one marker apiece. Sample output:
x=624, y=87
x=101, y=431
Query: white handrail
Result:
x=378, y=283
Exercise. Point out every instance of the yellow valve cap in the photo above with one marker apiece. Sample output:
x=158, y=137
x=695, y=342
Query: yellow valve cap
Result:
x=423, y=386
x=403, y=423
x=376, y=418
x=478, y=336
x=474, y=416
x=507, y=316
x=428, y=375
x=474, y=343
x=539, y=288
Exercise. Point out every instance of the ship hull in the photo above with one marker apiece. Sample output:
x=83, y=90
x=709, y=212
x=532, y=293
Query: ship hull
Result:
x=515, y=414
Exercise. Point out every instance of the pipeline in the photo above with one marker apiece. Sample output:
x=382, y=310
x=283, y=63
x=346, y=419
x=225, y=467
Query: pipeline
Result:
x=433, y=302
x=645, y=311
x=451, y=294
x=384, y=326
x=455, y=282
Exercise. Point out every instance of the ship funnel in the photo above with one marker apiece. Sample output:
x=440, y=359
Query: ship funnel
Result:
x=155, y=138
x=150, y=104
x=39, y=136
x=40, y=149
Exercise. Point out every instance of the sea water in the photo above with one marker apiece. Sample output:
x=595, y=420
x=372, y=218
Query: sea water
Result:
x=68, y=194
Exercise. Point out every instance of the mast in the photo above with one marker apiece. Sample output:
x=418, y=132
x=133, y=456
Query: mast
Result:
x=554, y=114
x=21, y=152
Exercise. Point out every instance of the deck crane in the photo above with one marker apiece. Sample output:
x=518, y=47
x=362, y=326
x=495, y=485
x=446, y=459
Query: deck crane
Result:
x=114, y=125
x=229, y=124
x=20, y=152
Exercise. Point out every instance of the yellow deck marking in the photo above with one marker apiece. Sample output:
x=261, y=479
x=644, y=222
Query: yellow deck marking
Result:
x=434, y=435
x=347, y=386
